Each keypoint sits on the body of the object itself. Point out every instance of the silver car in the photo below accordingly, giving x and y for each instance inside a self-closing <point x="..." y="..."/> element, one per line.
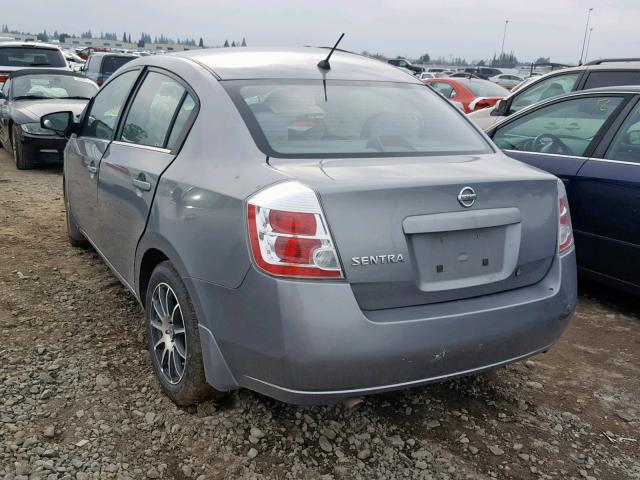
<point x="313" y="230"/>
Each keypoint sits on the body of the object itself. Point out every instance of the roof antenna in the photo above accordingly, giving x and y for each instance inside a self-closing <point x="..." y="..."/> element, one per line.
<point x="324" y="64"/>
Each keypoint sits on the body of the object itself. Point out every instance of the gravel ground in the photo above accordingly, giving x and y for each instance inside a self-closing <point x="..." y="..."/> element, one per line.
<point x="78" y="398"/>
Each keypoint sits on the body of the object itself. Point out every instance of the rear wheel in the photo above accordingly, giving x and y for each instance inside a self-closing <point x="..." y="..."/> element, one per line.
<point x="23" y="162"/>
<point x="173" y="338"/>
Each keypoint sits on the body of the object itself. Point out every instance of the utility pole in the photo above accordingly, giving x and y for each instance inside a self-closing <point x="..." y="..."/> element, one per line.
<point x="586" y="29"/>
<point x="586" y="53"/>
<point x="504" y="35"/>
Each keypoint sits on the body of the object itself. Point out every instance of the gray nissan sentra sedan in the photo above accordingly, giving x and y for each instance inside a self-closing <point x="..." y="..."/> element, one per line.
<point x="313" y="233"/>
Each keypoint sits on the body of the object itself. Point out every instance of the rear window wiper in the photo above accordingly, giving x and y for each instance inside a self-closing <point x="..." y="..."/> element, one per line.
<point x="73" y="97"/>
<point x="39" y="64"/>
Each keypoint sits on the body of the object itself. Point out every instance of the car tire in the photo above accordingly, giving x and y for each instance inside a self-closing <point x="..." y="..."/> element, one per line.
<point x="173" y="338"/>
<point x="23" y="162"/>
<point x="74" y="235"/>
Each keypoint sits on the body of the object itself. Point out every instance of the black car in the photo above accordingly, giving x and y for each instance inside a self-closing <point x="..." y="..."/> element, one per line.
<point x="26" y="96"/>
<point x="591" y="140"/>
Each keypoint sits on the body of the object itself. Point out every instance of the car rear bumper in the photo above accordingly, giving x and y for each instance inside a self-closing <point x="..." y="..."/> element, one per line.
<point x="43" y="148"/>
<point x="310" y="343"/>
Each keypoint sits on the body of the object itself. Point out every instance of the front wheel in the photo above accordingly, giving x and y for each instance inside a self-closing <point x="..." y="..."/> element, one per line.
<point x="23" y="161"/>
<point x="173" y="338"/>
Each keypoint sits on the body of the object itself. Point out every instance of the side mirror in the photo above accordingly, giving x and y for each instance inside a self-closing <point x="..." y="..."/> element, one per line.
<point x="59" y="122"/>
<point x="501" y="107"/>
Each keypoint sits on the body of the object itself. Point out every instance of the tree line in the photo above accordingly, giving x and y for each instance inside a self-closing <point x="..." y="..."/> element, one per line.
<point x="144" y="39"/>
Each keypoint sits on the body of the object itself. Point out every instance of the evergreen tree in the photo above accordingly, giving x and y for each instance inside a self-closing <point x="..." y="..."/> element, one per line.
<point x="244" y="42"/>
<point x="233" y="44"/>
<point x="226" y="43"/>
<point x="201" y="43"/>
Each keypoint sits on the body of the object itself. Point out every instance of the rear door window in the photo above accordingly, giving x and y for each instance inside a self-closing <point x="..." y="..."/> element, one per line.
<point x="152" y="111"/>
<point x="612" y="79"/>
<point x="626" y="145"/>
<point x="187" y="109"/>
<point x="544" y="89"/>
<point x="564" y="128"/>
<point x="31" y="57"/>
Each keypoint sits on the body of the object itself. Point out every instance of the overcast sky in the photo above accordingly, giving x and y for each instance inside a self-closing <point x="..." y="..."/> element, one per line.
<point x="466" y="28"/>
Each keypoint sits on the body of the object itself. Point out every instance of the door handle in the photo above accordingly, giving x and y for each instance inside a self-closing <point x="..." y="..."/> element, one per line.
<point x="551" y="125"/>
<point x="573" y="126"/>
<point x="92" y="168"/>
<point x="141" y="183"/>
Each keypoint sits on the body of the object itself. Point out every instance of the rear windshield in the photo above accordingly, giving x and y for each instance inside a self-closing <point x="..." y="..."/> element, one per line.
<point x="31" y="57"/>
<point x="111" y="64"/>
<point x="351" y="119"/>
<point x="482" y="88"/>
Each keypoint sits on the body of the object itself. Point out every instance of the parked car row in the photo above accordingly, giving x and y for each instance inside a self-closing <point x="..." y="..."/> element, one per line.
<point x="599" y="73"/>
<point x="282" y="169"/>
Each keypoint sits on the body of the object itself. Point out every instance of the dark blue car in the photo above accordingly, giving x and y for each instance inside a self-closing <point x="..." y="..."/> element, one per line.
<point x="591" y="140"/>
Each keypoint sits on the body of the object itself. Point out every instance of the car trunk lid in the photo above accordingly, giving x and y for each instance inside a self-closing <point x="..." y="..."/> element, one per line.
<point x="406" y="239"/>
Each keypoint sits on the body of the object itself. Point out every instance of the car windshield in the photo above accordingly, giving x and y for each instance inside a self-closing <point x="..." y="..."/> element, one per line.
<point x="352" y="119"/>
<point x="51" y="85"/>
<point x="483" y="88"/>
<point x="31" y="57"/>
<point x="111" y="63"/>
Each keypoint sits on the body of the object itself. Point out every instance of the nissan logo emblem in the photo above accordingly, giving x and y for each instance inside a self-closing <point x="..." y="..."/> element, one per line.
<point x="467" y="197"/>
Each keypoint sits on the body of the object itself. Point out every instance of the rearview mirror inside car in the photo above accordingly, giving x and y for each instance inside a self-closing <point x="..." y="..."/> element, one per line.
<point x="59" y="122"/>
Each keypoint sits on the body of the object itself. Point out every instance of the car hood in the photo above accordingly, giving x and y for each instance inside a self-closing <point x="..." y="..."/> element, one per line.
<point x="34" y="109"/>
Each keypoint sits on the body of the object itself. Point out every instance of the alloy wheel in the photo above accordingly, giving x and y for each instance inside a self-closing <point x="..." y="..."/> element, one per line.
<point x="168" y="333"/>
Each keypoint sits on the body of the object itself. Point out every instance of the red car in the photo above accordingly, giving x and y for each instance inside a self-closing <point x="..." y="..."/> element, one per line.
<point x="471" y="93"/>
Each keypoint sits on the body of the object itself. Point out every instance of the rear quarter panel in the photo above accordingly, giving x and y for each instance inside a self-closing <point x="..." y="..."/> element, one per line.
<point x="198" y="215"/>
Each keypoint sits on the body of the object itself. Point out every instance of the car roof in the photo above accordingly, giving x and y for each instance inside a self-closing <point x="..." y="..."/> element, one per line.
<point x="29" y="45"/>
<point x="295" y="63"/>
<point x="43" y="71"/>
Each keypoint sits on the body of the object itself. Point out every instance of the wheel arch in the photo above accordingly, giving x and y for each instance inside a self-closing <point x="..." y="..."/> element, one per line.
<point x="154" y="249"/>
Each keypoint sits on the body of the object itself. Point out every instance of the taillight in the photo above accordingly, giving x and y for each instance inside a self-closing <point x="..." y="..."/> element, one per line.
<point x="3" y="77"/>
<point x="99" y="81"/>
<point x="565" y="231"/>
<point x="289" y="235"/>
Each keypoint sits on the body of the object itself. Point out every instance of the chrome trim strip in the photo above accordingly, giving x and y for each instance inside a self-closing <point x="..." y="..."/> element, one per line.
<point x="575" y="157"/>
<point x="637" y="164"/>
<point x="143" y="147"/>
<point x="550" y="154"/>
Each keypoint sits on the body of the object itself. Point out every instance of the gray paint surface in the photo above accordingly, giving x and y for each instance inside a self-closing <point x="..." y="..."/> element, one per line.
<point x="384" y="326"/>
